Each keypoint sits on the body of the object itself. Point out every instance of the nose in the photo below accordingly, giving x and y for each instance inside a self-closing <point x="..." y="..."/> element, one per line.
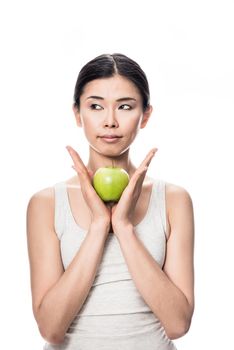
<point x="110" y="120"/>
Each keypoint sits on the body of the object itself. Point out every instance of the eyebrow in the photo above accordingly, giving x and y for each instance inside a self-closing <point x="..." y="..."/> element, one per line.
<point x="118" y="100"/>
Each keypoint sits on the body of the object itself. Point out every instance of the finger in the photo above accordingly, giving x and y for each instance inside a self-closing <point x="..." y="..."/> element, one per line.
<point x="148" y="158"/>
<point x="75" y="156"/>
<point x="142" y="169"/>
<point x="90" y="173"/>
<point x="78" y="163"/>
<point x="135" y="184"/>
<point x="136" y="180"/>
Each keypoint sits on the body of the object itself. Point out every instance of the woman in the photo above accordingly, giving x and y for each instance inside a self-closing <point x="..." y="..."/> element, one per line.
<point x="111" y="275"/>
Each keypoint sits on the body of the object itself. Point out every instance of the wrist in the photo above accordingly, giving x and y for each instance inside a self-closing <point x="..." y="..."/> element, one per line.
<point x="99" y="226"/>
<point x="123" y="229"/>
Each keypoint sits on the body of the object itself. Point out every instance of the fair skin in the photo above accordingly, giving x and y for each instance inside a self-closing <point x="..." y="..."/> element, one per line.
<point x="168" y="291"/>
<point x="109" y="117"/>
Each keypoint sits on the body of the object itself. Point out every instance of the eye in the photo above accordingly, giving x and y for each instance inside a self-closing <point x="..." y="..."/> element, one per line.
<point x="93" y="105"/>
<point x="127" y="106"/>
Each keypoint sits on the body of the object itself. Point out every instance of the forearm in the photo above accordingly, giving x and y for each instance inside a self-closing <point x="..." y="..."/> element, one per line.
<point x="64" y="300"/>
<point x="166" y="301"/>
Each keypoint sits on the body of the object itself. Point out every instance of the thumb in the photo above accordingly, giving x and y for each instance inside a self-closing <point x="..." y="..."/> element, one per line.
<point x="73" y="167"/>
<point x="91" y="173"/>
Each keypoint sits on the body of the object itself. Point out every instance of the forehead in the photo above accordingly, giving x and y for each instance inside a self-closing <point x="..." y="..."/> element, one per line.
<point x="112" y="87"/>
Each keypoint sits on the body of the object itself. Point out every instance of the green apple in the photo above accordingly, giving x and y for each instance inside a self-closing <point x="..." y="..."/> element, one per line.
<point x="109" y="183"/>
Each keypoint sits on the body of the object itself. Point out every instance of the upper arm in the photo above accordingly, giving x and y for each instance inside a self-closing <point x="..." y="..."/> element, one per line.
<point x="43" y="246"/>
<point x="179" y="262"/>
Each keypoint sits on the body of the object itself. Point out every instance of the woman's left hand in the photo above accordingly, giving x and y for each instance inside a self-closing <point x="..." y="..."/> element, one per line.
<point x="122" y="212"/>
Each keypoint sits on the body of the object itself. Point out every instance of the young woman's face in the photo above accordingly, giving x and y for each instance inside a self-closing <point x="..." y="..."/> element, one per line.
<point x="111" y="106"/>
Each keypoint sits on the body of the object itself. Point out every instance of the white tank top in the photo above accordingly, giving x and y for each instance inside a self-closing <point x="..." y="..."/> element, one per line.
<point x="114" y="305"/>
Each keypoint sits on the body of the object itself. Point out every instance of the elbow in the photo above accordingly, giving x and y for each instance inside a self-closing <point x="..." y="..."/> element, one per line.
<point x="52" y="338"/>
<point x="56" y="339"/>
<point x="47" y="332"/>
<point x="179" y="331"/>
<point x="50" y="335"/>
<point x="182" y="326"/>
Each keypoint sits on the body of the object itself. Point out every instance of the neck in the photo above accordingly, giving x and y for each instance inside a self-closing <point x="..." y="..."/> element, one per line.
<point x="97" y="160"/>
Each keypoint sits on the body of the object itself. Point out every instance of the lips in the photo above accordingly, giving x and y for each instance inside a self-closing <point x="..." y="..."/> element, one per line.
<point x="110" y="139"/>
<point x="110" y="136"/>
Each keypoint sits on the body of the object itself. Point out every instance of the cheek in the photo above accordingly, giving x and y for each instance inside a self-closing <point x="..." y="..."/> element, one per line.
<point x="132" y="123"/>
<point x="130" y="130"/>
<point x="90" y="126"/>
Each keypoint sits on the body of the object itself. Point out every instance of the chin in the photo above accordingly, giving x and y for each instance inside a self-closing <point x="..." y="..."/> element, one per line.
<point x="109" y="151"/>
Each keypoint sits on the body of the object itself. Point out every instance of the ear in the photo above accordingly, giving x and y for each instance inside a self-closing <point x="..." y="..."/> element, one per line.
<point x="77" y="116"/>
<point x="146" y="116"/>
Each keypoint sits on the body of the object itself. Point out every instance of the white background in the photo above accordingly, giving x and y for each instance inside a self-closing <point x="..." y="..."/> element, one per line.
<point x="186" y="50"/>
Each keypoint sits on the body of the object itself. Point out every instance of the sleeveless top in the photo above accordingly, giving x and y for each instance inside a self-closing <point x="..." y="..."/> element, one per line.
<point x="114" y="307"/>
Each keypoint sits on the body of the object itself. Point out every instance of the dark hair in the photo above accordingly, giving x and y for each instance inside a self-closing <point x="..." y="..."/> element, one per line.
<point x="107" y="65"/>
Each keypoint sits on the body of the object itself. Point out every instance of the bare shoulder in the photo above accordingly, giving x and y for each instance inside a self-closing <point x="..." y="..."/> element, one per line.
<point x="179" y="205"/>
<point x="42" y="201"/>
<point x="172" y="188"/>
<point x="175" y="193"/>
<point x="45" y="195"/>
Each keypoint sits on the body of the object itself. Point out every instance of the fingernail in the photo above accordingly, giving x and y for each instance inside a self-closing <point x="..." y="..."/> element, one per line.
<point x="75" y="169"/>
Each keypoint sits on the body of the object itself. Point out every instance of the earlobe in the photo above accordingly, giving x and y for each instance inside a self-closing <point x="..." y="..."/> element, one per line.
<point x="77" y="116"/>
<point x="78" y="121"/>
<point x="146" y="116"/>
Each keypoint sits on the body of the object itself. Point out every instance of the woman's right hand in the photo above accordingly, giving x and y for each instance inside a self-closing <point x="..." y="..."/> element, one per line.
<point x="100" y="213"/>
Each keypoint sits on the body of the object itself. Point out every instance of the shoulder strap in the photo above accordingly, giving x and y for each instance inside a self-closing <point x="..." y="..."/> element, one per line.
<point x="160" y="201"/>
<point x="60" y="208"/>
